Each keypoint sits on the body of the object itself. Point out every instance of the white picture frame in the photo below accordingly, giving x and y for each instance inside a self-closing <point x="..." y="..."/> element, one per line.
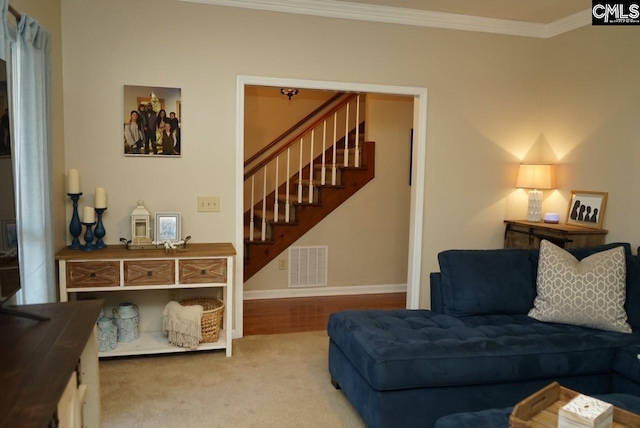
<point x="167" y="227"/>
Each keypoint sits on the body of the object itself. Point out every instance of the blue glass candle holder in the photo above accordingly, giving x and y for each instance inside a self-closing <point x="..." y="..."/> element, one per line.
<point x="99" y="231"/>
<point x="75" y="227"/>
<point x="88" y="238"/>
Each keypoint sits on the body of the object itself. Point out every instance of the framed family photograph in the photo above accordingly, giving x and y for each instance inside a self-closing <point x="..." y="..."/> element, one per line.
<point x="9" y="235"/>
<point x="586" y="208"/>
<point x="167" y="227"/>
<point x="152" y="121"/>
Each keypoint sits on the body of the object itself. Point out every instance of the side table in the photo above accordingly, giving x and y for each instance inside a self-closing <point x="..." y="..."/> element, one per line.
<point x="528" y="235"/>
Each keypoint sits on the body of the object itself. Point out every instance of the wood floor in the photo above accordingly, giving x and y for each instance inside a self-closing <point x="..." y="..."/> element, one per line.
<point x="272" y="316"/>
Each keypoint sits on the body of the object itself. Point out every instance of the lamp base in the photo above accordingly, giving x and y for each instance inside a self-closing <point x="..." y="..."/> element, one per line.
<point x="534" y="210"/>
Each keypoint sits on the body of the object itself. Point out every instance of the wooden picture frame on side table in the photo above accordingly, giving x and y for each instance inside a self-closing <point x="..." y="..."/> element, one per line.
<point x="586" y="209"/>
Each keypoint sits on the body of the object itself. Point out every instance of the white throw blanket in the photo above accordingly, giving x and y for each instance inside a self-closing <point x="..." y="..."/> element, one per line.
<point x="181" y="324"/>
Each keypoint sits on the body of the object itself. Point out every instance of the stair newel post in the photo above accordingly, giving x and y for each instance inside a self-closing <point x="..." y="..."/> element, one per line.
<point x="346" y="138"/>
<point x="264" y="204"/>
<point x="287" y="204"/>
<point x="276" y="214"/>
<point x="251" y="218"/>
<point x="300" y="172"/>
<point x="311" y="171"/>
<point x="323" y="170"/>
<point x="335" y="141"/>
<point x="357" y="149"/>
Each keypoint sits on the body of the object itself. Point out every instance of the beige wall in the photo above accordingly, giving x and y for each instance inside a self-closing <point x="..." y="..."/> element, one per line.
<point x="592" y="110"/>
<point x="492" y="101"/>
<point x="268" y="113"/>
<point x="484" y="98"/>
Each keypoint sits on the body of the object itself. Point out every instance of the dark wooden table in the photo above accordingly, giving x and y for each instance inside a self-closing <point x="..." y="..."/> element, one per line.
<point x="37" y="359"/>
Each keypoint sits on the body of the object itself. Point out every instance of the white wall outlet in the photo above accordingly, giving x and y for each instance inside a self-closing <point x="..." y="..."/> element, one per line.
<point x="208" y="203"/>
<point x="282" y="264"/>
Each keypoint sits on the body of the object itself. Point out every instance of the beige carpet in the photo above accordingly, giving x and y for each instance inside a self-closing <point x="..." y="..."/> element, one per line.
<point x="277" y="380"/>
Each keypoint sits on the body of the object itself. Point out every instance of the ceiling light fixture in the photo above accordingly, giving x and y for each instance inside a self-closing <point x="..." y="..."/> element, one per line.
<point x="289" y="92"/>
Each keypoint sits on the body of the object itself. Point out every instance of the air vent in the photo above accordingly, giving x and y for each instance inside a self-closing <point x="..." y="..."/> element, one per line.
<point x="308" y="266"/>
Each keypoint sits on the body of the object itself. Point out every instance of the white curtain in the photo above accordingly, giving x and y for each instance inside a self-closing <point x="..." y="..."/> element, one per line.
<point x="30" y="88"/>
<point x="4" y="30"/>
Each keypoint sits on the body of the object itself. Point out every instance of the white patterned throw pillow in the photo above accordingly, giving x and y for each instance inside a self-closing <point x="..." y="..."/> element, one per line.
<point x="589" y="293"/>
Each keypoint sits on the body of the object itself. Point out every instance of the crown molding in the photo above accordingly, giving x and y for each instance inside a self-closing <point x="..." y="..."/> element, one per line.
<point x="569" y="23"/>
<point x="404" y="16"/>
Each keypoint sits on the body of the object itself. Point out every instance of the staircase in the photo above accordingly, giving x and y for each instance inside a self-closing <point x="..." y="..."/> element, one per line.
<point x="301" y="199"/>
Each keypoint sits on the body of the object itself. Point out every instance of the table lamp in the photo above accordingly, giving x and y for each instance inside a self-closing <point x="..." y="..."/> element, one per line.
<point x="536" y="177"/>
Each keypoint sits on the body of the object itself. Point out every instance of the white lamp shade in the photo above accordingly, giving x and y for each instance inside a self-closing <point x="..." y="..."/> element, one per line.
<point x="536" y="176"/>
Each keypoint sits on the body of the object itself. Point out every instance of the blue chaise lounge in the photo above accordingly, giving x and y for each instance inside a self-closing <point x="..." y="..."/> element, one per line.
<point x="477" y="348"/>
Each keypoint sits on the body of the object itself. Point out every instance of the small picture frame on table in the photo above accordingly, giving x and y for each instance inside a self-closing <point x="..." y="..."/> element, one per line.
<point x="167" y="227"/>
<point x="586" y="209"/>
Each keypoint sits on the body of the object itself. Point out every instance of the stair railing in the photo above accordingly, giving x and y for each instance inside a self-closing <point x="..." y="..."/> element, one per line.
<point x="265" y="174"/>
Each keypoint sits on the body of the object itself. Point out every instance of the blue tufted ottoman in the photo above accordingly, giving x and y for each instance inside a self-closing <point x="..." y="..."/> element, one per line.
<point x="408" y="368"/>
<point x="499" y="418"/>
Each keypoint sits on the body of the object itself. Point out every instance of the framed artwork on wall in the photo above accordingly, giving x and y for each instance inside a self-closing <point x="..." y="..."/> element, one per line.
<point x="586" y="208"/>
<point x="167" y="227"/>
<point x="149" y="129"/>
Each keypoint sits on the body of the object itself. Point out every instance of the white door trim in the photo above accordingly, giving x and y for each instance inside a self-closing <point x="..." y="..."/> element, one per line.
<point x="414" y="268"/>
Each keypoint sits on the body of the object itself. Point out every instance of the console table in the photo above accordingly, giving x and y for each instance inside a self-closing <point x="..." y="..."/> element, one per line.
<point x="49" y="369"/>
<point x="527" y="234"/>
<point x="150" y="279"/>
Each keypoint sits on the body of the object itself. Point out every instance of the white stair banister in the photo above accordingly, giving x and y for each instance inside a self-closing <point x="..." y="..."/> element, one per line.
<point x="287" y="204"/>
<point x="323" y="170"/>
<point x="300" y="172"/>
<point x="264" y="204"/>
<point x="276" y="214"/>
<point x="335" y="142"/>
<point x="357" y="149"/>
<point x="346" y="138"/>
<point x="251" y="219"/>
<point x="313" y="133"/>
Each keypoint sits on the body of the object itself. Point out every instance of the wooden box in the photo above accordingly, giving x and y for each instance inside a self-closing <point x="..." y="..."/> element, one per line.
<point x="585" y="412"/>
<point x="541" y="409"/>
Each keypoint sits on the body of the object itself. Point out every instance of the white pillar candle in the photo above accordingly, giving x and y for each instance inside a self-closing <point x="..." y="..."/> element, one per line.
<point x="73" y="181"/>
<point x="101" y="198"/>
<point x="89" y="215"/>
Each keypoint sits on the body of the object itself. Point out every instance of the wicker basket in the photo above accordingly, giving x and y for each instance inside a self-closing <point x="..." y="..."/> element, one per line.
<point x="211" y="316"/>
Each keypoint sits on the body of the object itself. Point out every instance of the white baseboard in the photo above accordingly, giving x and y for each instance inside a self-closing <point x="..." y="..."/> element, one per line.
<point x="324" y="291"/>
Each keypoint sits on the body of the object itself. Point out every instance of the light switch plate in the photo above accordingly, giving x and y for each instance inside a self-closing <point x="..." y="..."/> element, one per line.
<point x="208" y="203"/>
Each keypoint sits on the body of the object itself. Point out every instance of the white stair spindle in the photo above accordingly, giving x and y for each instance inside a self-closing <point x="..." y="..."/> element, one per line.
<point x="276" y="214"/>
<point x="264" y="204"/>
<point x="287" y="203"/>
<point x="335" y="142"/>
<point x="346" y="138"/>
<point x="323" y="170"/>
<point x="251" y="219"/>
<point x="311" y="167"/>
<point x="357" y="149"/>
<point x="300" y="172"/>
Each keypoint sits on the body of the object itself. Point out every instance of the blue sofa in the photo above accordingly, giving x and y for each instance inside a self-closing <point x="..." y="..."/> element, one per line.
<point x="476" y="348"/>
